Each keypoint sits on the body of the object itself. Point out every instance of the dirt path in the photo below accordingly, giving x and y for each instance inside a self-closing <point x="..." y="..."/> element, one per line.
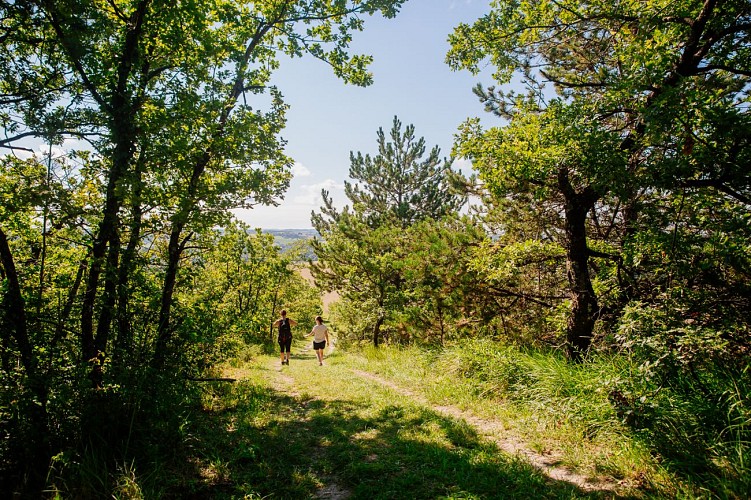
<point x="284" y="380"/>
<point x="494" y="431"/>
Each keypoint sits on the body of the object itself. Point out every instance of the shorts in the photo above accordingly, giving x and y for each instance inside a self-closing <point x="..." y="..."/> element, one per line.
<point x="319" y="345"/>
<point x="285" y="345"/>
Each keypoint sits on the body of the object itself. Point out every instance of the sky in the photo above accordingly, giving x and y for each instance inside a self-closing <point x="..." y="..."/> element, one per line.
<point x="328" y="119"/>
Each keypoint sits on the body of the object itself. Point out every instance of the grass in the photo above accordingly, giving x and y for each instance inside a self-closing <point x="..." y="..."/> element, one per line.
<point x="665" y="448"/>
<point x="550" y="405"/>
<point x="290" y="432"/>
<point x="373" y="424"/>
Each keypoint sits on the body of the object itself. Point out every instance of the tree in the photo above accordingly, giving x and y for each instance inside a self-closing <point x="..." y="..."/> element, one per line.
<point x="359" y="262"/>
<point x="42" y="205"/>
<point x="231" y="284"/>
<point x="359" y="249"/>
<point x="21" y="189"/>
<point x="444" y="297"/>
<point x="560" y="156"/>
<point x="647" y="72"/>
<point x="170" y="99"/>
<point x="398" y="183"/>
<point x="137" y="70"/>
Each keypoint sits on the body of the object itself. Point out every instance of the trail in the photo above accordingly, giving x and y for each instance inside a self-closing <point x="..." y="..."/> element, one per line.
<point x="331" y="490"/>
<point x="489" y="430"/>
<point x="493" y="431"/>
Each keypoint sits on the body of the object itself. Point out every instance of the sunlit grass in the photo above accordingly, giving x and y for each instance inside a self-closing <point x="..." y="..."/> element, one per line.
<point x="546" y="403"/>
<point x="555" y="407"/>
<point x="414" y="423"/>
<point x="460" y="422"/>
<point x="288" y="432"/>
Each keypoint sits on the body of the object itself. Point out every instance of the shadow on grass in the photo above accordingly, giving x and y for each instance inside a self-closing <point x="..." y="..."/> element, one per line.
<point x="272" y="445"/>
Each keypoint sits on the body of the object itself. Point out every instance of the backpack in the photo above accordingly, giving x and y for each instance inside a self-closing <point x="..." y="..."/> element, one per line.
<point x="285" y="331"/>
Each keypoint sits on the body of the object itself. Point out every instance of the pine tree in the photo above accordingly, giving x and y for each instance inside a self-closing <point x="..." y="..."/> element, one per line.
<point x="398" y="183"/>
<point x="360" y="245"/>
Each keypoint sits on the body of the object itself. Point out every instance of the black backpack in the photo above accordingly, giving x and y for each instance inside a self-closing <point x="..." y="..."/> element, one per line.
<point x="285" y="331"/>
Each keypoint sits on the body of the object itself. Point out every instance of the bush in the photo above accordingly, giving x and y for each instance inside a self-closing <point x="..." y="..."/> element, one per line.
<point x="686" y="393"/>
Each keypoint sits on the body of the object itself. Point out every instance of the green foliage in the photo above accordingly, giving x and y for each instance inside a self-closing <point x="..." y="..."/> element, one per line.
<point x="687" y="390"/>
<point x="529" y="153"/>
<point x="121" y="266"/>
<point x="353" y="322"/>
<point x="696" y="417"/>
<point x="650" y="100"/>
<point x="123" y="278"/>
<point x="497" y="371"/>
<point x="236" y="282"/>
<point x="397" y="185"/>
<point x="446" y="297"/>
<point x="525" y="278"/>
<point x="540" y="381"/>
<point x="359" y="262"/>
<point x="415" y="284"/>
<point x="397" y="255"/>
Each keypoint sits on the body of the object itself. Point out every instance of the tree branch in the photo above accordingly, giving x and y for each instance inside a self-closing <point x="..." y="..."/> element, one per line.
<point x="719" y="185"/>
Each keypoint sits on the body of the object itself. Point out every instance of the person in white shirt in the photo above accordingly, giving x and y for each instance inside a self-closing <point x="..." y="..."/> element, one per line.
<point x="320" y="335"/>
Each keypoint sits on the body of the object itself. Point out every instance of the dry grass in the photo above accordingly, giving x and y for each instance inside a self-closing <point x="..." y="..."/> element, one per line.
<point x="327" y="298"/>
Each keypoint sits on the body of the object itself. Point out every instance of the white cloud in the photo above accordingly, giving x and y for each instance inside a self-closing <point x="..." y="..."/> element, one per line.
<point x="45" y="149"/>
<point x="19" y="153"/>
<point x="282" y="217"/>
<point x="463" y="165"/>
<point x="40" y="152"/>
<point x="300" y="170"/>
<point x="294" y="211"/>
<point x="310" y="194"/>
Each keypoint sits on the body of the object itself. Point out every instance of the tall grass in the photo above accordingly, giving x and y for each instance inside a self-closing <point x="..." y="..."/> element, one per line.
<point x="688" y="439"/>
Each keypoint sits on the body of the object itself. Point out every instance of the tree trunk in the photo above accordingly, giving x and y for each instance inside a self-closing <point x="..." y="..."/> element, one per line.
<point x="99" y="250"/>
<point x="38" y="449"/>
<point x="124" y="340"/>
<point x="584" y="308"/>
<point x="174" y="250"/>
<point x="68" y="307"/>
<point x="15" y="307"/>
<point x="107" y="311"/>
<point x="377" y="330"/>
<point x="122" y="110"/>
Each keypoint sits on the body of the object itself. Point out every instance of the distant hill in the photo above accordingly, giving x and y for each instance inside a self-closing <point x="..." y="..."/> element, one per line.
<point x="285" y="238"/>
<point x="294" y="234"/>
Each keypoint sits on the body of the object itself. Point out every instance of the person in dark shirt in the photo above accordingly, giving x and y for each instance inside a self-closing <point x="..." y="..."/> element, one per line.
<point x="285" y="325"/>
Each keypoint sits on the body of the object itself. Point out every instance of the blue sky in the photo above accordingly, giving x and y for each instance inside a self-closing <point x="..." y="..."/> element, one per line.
<point x="327" y="119"/>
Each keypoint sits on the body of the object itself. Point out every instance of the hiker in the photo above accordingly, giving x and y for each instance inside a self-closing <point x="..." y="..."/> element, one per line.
<point x="285" y="325"/>
<point x="320" y="336"/>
